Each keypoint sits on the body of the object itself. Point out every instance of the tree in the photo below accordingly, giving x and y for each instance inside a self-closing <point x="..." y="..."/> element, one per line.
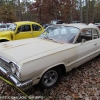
<point x="7" y="13"/>
<point x="25" y="10"/>
<point x="97" y="11"/>
<point x="46" y="10"/>
<point x="89" y="11"/>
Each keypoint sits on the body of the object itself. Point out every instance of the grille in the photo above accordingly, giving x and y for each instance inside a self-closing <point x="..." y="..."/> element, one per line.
<point x="4" y="64"/>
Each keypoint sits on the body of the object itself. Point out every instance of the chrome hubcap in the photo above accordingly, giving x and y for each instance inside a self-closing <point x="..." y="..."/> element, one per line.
<point x="50" y="78"/>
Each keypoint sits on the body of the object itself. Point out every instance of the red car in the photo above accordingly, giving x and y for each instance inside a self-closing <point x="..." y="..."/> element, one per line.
<point x="98" y="25"/>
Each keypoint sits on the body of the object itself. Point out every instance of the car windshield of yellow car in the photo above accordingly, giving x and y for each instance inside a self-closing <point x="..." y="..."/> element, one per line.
<point x="62" y="34"/>
<point x="12" y="27"/>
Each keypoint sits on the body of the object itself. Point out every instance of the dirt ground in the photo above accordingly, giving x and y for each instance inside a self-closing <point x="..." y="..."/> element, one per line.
<point x="82" y="83"/>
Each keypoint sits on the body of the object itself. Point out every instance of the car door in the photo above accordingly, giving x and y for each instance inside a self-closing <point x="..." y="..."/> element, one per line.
<point x="96" y="38"/>
<point x="37" y="30"/>
<point x="24" y="31"/>
<point x="87" y="46"/>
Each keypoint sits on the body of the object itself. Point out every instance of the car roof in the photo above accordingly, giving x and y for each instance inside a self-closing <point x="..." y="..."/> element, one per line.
<point x="25" y="22"/>
<point x="79" y="25"/>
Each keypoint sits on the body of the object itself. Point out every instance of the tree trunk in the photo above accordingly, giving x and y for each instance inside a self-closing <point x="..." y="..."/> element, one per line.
<point x="19" y="9"/>
<point x="87" y="6"/>
<point x="81" y="19"/>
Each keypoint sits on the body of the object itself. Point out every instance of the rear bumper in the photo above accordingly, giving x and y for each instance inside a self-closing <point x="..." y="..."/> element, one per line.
<point x="12" y="78"/>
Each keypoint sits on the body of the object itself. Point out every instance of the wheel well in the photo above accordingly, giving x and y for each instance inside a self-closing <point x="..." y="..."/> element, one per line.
<point x="62" y="67"/>
<point x="3" y="40"/>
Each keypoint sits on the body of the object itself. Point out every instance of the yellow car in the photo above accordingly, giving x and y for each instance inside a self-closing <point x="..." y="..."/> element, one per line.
<point x="21" y="30"/>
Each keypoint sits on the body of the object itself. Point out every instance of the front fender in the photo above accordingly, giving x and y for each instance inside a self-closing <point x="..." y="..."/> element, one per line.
<point x="4" y="38"/>
<point x="50" y="67"/>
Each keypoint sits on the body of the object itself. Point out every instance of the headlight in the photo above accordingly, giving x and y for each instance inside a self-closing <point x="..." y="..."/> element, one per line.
<point x="13" y="67"/>
<point x="17" y="72"/>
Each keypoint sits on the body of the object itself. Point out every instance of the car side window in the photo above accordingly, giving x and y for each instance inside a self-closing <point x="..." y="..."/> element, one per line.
<point x="85" y="34"/>
<point x="24" y="28"/>
<point x="36" y="27"/>
<point x="95" y="34"/>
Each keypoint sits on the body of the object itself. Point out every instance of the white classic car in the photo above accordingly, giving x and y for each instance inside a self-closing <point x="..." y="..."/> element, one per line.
<point x="43" y="60"/>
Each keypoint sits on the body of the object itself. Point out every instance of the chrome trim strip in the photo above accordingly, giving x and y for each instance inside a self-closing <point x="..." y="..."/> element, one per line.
<point x="22" y="85"/>
<point x="12" y="62"/>
<point x="4" y="59"/>
<point x="9" y="61"/>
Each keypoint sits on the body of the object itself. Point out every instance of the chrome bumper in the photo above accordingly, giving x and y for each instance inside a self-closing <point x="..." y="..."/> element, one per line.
<point x="9" y="76"/>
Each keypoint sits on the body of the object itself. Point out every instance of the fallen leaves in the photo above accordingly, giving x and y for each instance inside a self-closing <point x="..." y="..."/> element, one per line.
<point x="82" y="83"/>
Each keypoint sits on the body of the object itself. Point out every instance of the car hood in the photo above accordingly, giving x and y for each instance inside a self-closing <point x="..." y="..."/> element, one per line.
<point x="26" y="49"/>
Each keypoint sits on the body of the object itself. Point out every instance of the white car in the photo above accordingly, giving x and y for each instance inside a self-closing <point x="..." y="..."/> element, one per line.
<point x="43" y="60"/>
<point x="97" y="24"/>
<point x="3" y="27"/>
<point x="8" y="24"/>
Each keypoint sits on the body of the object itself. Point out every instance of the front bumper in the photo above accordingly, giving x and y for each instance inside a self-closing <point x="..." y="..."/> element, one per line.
<point x="9" y="76"/>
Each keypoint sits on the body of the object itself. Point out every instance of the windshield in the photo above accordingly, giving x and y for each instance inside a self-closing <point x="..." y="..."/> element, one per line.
<point x="12" y="27"/>
<point x="63" y="34"/>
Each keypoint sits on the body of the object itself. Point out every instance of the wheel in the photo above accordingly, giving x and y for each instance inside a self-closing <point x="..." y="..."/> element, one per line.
<point x="3" y="40"/>
<point x="50" y="78"/>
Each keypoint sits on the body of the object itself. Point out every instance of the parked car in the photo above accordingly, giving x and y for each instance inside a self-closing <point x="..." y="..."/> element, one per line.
<point x="3" y="27"/>
<point x="45" y="25"/>
<point x="53" y="22"/>
<point x="21" y="30"/>
<point x="56" y="22"/>
<point x="76" y="21"/>
<point x="43" y="60"/>
<point x="98" y="25"/>
<point x="8" y="24"/>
